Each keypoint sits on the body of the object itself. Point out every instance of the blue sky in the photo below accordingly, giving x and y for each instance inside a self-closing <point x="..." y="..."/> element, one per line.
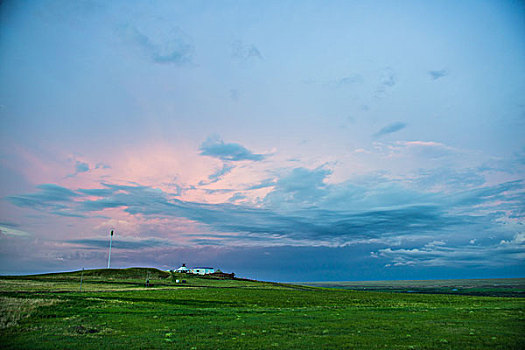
<point x="281" y="140"/>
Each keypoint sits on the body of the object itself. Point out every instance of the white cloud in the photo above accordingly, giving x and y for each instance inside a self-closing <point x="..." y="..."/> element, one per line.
<point x="511" y="252"/>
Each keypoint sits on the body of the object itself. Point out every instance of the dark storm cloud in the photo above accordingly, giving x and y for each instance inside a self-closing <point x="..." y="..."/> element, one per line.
<point x="51" y="198"/>
<point x="52" y="192"/>
<point x="99" y="192"/>
<point x="214" y="146"/>
<point x="335" y="227"/>
<point x="101" y="204"/>
<point x="49" y="195"/>
<point x="300" y="187"/>
<point x="509" y="195"/>
<point x="303" y="209"/>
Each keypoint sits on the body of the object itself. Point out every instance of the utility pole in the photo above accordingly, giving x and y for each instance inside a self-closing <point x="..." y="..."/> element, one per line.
<point x="110" y="241"/>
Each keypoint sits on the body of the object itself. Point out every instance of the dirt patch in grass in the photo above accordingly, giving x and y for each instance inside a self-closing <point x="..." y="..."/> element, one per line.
<point x="12" y="310"/>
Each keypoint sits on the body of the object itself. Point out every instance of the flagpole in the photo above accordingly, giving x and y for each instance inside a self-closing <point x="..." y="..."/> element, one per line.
<point x="110" y="241"/>
<point x="81" y="278"/>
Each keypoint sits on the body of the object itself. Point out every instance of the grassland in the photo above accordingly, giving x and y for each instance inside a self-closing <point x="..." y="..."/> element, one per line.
<point x="501" y="287"/>
<point x="115" y="310"/>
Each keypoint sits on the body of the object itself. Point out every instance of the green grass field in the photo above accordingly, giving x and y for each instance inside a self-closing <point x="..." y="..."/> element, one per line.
<point x="500" y="287"/>
<point x="115" y="310"/>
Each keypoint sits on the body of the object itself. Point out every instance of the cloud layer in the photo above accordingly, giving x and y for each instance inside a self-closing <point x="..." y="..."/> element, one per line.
<point x="302" y="209"/>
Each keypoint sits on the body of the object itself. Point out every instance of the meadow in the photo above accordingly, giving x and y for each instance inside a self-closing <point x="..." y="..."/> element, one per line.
<point x="115" y="310"/>
<point x="498" y="287"/>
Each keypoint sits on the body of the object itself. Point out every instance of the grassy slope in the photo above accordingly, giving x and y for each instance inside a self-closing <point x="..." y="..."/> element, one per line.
<point x="117" y="311"/>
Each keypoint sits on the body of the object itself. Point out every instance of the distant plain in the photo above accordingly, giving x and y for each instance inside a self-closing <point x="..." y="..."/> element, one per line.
<point x="505" y="287"/>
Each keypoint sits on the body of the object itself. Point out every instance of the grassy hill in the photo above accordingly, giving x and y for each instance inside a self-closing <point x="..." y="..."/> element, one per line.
<point x="116" y="310"/>
<point x="129" y="273"/>
<point x="126" y="279"/>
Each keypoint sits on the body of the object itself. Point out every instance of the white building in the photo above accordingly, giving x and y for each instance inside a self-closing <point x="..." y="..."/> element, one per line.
<point x="202" y="270"/>
<point x="183" y="268"/>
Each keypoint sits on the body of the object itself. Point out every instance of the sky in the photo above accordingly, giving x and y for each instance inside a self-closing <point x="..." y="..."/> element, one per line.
<point x="280" y="140"/>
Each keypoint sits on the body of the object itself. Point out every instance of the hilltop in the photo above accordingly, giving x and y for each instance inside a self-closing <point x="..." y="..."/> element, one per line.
<point x="127" y="273"/>
<point x="130" y="279"/>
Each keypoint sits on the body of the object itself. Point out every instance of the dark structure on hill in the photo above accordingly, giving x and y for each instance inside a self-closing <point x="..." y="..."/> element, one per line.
<point x="222" y="275"/>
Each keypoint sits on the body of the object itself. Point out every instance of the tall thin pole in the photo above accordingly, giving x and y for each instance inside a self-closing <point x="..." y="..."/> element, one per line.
<point x="110" y="241"/>
<point x="81" y="278"/>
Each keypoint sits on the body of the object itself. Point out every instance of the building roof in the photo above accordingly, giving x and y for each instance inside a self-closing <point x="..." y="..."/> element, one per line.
<point x="203" y="267"/>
